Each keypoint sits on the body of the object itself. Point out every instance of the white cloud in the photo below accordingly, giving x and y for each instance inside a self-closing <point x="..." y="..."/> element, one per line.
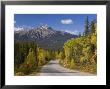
<point x="18" y="28"/>
<point x="14" y="22"/>
<point x="27" y="27"/>
<point x="72" y="32"/>
<point x="67" y="21"/>
<point x="23" y="27"/>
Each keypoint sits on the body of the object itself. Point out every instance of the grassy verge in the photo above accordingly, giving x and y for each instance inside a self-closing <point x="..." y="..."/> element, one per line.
<point x="27" y="71"/>
<point x="89" y="68"/>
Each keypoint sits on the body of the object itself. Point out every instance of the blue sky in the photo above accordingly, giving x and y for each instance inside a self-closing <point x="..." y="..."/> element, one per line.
<point x="73" y="23"/>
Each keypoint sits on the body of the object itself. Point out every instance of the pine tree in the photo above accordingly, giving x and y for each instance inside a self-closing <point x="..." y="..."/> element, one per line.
<point x="79" y="35"/>
<point x="93" y="26"/>
<point x="86" y="26"/>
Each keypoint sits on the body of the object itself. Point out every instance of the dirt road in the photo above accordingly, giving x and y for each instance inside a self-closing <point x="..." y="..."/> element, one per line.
<point x="54" y="69"/>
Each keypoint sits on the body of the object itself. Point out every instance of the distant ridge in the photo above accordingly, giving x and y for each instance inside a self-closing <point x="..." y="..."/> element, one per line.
<point x="45" y="36"/>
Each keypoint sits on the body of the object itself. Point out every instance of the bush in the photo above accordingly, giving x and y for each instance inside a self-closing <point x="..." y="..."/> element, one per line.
<point x="72" y="65"/>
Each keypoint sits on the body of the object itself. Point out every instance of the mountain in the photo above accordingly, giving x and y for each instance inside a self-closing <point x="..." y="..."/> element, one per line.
<point x="45" y="36"/>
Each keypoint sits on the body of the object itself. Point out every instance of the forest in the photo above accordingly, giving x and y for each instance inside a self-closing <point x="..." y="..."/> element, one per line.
<point x="81" y="53"/>
<point x="77" y="53"/>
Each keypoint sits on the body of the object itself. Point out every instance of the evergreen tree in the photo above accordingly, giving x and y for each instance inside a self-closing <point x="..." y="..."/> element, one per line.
<point x="86" y="26"/>
<point x="79" y="35"/>
<point x="93" y="26"/>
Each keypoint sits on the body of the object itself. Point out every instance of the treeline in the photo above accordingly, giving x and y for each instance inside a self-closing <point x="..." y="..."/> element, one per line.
<point x="28" y="57"/>
<point x="81" y="53"/>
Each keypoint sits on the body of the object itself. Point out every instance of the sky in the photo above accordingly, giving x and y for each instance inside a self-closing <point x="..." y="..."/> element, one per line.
<point x="72" y="23"/>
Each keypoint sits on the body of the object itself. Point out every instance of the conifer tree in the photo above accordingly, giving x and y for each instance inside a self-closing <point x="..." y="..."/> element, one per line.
<point x="93" y="26"/>
<point x="86" y="26"/>
<point x="79" y="35"/>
